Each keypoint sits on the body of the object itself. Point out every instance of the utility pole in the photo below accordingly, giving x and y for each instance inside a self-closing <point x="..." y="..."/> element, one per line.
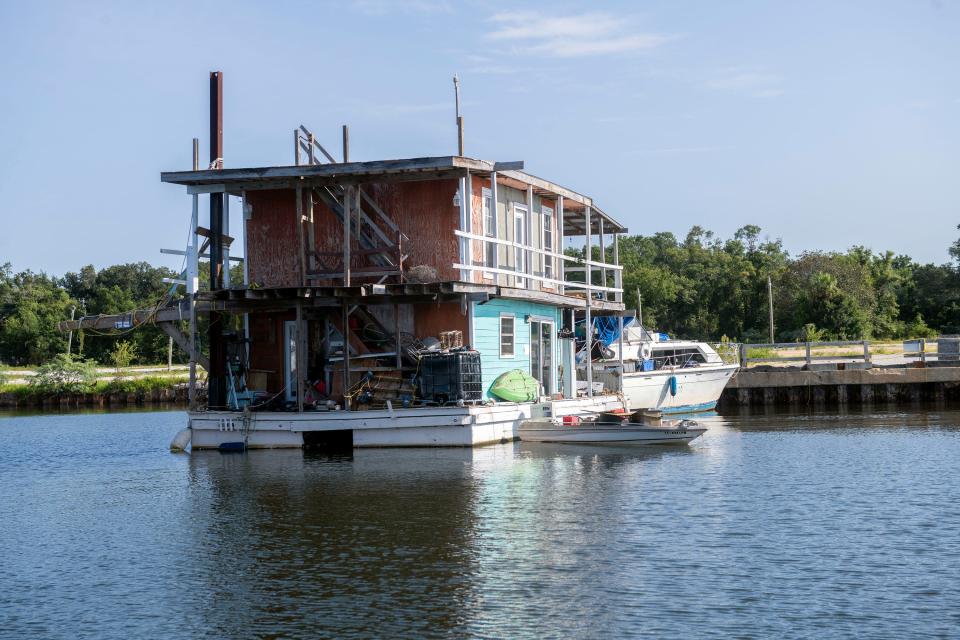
<point x="770" y="300"/>
<point x="70" y="335"/>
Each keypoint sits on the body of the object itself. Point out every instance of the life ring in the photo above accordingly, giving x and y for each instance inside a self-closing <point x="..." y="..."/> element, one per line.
<point x="646" y="350"/>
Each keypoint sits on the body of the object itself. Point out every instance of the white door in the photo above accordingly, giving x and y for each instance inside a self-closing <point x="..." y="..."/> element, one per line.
<point x="290" y="359"/>
<point x="520" y="237"/>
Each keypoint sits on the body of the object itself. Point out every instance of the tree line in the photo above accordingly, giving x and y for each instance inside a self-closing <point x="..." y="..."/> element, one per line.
<point x="699" y="286"/>
<point x="706" y="287"/>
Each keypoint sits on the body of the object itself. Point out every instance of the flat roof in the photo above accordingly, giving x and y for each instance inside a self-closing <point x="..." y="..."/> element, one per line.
<point x="404" y="169"/>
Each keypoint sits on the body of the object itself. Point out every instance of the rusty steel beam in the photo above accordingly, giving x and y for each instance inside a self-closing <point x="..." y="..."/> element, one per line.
<point x="217" y="380"/>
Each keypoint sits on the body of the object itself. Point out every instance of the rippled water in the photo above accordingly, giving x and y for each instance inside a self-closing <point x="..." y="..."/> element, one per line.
<point x="820" y="525"/>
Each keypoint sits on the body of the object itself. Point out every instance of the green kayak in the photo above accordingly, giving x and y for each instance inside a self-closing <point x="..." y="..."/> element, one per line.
<point x="516" y="386"/>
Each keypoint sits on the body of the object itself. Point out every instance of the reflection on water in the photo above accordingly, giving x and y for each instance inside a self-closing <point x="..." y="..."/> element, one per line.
<point x="820" y="524"/>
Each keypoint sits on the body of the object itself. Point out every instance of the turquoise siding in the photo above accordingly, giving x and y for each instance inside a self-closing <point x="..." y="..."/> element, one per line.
<point x="486" y="337"/>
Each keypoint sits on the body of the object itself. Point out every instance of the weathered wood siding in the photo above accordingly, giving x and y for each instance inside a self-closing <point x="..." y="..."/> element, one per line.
<point x="273" y="258"/>
<point x="431" y="319"/>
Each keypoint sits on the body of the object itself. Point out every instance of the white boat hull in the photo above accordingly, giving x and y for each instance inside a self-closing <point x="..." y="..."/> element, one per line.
<point x="697" y="388"/>
<point x="612" y="434"/>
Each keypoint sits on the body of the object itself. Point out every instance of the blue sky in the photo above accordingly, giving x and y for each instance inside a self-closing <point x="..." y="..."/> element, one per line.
<point x="826" y="123"/>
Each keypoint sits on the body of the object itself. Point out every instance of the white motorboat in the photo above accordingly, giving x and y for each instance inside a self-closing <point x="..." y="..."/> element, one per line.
<point x="604" y="430"/>
<point x="673" y="376"/>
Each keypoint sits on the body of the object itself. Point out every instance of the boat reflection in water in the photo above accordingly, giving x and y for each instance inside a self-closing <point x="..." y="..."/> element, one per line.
<point x="398" y="542"/>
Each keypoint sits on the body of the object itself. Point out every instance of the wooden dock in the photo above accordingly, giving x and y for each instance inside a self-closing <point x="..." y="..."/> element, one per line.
<point x="781" y="386"/>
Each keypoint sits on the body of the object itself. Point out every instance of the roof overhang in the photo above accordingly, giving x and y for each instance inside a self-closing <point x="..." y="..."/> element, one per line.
<point x="237" y="181"/>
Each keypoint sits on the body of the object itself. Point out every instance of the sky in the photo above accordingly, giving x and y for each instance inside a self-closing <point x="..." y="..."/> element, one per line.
<point x="828" y="124"/>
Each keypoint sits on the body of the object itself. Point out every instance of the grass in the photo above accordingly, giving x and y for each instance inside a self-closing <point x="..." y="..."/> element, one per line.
<point x="146" y="384"/>
<point x="761" y="352"/>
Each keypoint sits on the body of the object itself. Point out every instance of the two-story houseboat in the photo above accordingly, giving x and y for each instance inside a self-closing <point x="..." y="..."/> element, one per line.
<point x="354" y="270"/>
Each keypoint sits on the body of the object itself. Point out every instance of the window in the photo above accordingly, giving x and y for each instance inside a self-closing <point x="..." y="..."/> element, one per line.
<point x="490" y="231"/>
<point x="506" y="336"/>
<point x="547" y="241"/>
<point x="520" y="237"/>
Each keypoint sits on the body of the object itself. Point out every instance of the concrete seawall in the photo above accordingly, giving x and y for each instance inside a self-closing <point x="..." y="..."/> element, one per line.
<point x="780" y="387"/>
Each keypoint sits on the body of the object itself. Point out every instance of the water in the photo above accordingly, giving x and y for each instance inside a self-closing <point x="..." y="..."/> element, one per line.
<point x="821" y="525"/>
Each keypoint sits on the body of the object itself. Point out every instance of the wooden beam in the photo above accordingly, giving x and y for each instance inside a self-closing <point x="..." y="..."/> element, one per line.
<point x="183" y="342"/>
<point x="203" y="231"/>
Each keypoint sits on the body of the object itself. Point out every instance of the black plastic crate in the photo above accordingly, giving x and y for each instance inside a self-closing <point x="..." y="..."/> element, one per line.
<point x="451" y="377"/>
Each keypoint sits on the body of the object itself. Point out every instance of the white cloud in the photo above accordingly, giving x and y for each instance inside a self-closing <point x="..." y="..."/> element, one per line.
<point x="572" y="36"/>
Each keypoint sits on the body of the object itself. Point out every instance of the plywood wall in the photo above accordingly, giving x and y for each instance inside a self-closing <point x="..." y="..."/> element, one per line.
<point x="272" y="253"/>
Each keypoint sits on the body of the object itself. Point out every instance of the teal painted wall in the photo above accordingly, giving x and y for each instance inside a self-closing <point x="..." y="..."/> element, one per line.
<point x="486" y="337"/>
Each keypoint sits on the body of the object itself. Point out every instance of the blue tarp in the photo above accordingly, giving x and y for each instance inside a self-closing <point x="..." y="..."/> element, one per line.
<point x="606" y="329"/>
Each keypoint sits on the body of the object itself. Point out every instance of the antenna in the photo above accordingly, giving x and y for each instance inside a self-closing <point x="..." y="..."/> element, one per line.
<point x="456" y="91"/>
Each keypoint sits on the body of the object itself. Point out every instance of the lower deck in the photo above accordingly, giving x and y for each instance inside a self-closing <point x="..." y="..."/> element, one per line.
<point x="467" y="426"/>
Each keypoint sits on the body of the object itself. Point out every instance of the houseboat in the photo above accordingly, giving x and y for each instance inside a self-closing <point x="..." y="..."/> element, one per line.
<point x="359" y="274"/>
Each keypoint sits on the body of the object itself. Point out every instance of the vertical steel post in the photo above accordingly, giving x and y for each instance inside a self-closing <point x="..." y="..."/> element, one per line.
<point x="346" y="143"/>
<point x="588" y="328"/>
<point x="217" y="390"/>
<point x="193" y="282"/>
<point x="296" y="147"/>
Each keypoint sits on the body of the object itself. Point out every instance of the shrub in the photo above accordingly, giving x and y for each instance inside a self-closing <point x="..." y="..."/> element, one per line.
<point x="810" y="333"/>
<point x="123" y="354"/>
<point x="63" y="374"/>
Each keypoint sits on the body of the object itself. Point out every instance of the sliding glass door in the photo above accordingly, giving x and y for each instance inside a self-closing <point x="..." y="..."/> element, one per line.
<point x="541" y="353"/>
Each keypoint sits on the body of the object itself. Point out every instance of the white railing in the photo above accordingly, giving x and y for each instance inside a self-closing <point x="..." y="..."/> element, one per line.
<point x="582" y="265"/>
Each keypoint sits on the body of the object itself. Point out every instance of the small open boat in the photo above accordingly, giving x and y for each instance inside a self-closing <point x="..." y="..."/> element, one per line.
<point x="612" y="428"/>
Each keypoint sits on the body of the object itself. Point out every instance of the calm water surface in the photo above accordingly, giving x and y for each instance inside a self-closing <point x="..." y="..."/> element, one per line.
<point x="820" y="525"/>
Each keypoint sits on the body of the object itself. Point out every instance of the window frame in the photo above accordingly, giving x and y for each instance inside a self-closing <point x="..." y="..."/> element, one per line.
<point x="521" y="213"/>
<point x="547" y="214"/>
<point x="489" y="215"/>
<point x="513" y="334"/>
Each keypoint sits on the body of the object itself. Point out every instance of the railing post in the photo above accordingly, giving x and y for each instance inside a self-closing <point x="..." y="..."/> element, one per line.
<point x="923" y="350"/>
<point x="808" y="354"/>
<point x="866" y="351"/>
<point x="743" y="355"/>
